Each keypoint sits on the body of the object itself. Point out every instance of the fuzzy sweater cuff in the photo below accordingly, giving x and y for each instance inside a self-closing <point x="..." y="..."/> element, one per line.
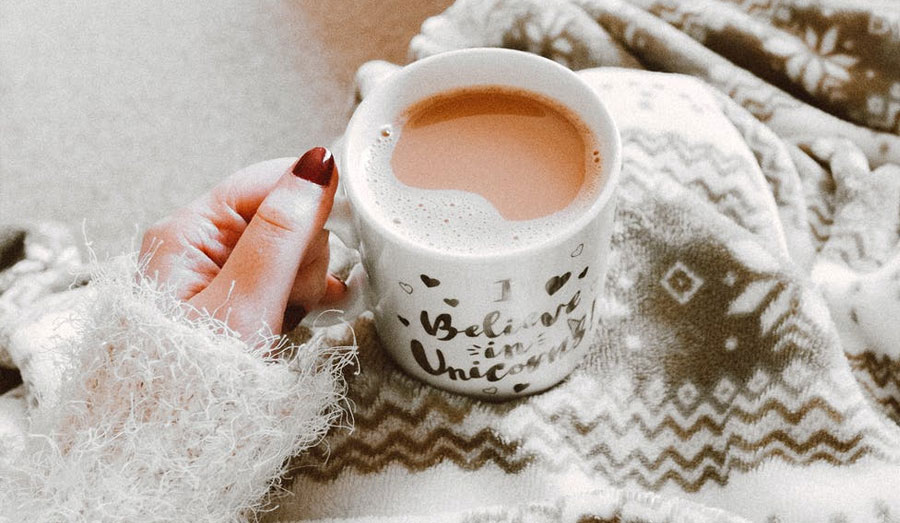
<point x="139" y="411"/>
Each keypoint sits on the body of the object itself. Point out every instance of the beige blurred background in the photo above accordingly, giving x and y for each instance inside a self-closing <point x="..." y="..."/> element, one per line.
<point x="113" y="114"/>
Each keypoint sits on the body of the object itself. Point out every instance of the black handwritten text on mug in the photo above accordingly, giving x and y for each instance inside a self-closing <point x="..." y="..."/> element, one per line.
<point x="495" y="372"/>
<point x="493" y="325"/>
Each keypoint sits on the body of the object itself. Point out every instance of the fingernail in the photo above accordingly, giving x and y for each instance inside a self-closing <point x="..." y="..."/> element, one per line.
<point x="316" y="165"/>
<point x="292" y="317"/>
<point x="335" y="290"/>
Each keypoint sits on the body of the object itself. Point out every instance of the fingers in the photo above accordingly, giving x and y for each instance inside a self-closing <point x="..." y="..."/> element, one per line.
<point x="310" y="282"/>
<point x="256" y="280"/>
<point x="171" y="257"/>
<point x="315" y="286"/>
<point x="246" y="189"/>
<point x="187" y="249"/>
<point x="335" y="291"/>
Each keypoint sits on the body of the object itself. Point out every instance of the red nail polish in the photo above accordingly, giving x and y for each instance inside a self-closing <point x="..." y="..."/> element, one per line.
<point x="316" y="165"/>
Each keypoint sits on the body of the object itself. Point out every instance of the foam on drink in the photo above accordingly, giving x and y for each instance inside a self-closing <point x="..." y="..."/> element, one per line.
<point x="482" y="169"/>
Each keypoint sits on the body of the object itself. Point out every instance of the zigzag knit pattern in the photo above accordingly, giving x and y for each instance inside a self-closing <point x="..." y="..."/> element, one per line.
<point x="879" y="376"/>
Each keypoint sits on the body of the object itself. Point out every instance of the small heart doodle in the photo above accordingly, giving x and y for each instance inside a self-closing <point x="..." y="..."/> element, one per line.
<point x="489" y="390"/>
<point x="556" y="283"/>
<point x="403" y="320"/>
<point x="583" y="273"/>
<point x="429" y="281"/>
<point x="407" y="288"/>
<point x="519" y="387"/>
<point x="453" y="302"/>
<point x="578" y="250"/>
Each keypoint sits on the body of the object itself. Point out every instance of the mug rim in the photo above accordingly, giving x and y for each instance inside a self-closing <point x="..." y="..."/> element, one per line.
<point x="610" y="169"/>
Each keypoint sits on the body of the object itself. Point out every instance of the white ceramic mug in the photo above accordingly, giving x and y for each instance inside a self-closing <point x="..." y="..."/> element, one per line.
<point x="491" y="325"/>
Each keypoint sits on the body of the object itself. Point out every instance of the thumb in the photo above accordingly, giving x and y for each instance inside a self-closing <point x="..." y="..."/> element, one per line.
<point x="256" y="280"/>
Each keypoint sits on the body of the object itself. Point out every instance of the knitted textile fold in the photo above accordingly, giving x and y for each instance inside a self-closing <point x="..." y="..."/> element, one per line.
<point x="748" y="360"/>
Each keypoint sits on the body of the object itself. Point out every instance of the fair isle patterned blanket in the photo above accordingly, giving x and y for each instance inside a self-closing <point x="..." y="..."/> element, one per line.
<point x="748" y="363"/>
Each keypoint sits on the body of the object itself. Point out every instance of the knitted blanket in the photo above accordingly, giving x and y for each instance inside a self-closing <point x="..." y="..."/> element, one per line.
<point x="748" y="362"/>
<point x="749" y="357"/>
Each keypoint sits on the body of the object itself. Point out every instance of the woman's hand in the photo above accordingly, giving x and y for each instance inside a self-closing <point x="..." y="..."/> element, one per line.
<point x="253" y="250"/>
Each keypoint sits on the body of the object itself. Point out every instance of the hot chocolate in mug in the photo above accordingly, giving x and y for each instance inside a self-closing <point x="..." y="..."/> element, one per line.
<point x="464" y="299"/>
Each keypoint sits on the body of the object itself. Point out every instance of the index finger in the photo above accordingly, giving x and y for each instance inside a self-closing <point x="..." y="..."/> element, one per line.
<point x="245" y="190"/>
<point x="261" y="269"/>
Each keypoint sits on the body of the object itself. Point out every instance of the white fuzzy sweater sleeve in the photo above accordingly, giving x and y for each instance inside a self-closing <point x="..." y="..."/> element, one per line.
<point x="138" y="413"/>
